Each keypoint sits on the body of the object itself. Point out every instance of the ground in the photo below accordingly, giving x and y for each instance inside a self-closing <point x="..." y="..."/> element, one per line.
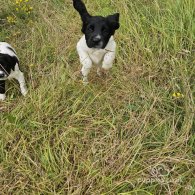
<point x="131" y="132"/>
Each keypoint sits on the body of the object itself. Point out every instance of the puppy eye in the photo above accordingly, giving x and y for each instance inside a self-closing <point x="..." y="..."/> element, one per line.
<point x="91" y="28"/>
<point x="104" y="30"/>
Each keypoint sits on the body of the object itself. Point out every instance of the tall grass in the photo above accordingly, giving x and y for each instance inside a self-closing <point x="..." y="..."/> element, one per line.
<point x="123" y="134"/>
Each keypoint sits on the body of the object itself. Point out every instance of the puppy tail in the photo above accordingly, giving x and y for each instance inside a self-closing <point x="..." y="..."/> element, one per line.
<point x="80" y="7"/>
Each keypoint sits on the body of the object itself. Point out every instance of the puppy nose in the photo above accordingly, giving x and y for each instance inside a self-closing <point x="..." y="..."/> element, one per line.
<point x="96" y="39"/>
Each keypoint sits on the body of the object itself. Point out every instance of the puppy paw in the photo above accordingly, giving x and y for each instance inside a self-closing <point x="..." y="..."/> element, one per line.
<point x="2" y="97"/>
<point x="99" y="73"/>
<point x="85" y="81"/>
<point x="24" y="91"/>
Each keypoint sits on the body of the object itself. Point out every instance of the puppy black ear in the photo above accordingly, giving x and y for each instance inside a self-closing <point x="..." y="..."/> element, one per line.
<point x="80" y="7"/>
<point x="114" y="20"/>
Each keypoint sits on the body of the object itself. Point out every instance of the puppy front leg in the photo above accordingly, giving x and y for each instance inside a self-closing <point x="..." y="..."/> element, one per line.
<point x="2" y="90"/>
<point x="86" y="65"/>
<point x="21" y="80"/>
<point x="108" y="60"/>
<point x="18" y="75"/>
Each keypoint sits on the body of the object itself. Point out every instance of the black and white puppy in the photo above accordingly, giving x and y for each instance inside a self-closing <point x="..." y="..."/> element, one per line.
<point x="9" y="68"/>
<point x="97" y="45"/>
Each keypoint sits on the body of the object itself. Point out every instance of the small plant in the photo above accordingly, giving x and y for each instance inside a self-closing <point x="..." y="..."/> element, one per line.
<point x="11" y="19"/>
<point x="177" y="95"/>
<point x="21" y="10"/>
<point x="23" y="6"/>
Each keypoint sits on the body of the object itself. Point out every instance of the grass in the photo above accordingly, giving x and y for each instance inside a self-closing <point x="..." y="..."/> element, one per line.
<point x="123" y="134"/>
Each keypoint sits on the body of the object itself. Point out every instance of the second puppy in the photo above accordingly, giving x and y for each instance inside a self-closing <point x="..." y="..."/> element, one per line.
<point x="97" y="45"/>
<point x="9" y="68"/>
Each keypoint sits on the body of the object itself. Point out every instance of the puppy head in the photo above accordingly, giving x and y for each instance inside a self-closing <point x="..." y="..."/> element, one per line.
<point x="97" y="29"/>
<point x="3" y="72"/>
<point x="7" y="63"/>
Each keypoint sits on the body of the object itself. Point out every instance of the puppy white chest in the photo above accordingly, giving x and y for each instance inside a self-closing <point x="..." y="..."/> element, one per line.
<point x="97" y="55"/>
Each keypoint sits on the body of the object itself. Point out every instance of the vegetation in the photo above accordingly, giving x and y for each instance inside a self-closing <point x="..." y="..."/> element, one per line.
<point x="131" y="132"/>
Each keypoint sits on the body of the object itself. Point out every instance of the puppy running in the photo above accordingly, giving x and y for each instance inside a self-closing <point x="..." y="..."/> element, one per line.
<point x="97" y="45"/>
<point x="9" y="68"/>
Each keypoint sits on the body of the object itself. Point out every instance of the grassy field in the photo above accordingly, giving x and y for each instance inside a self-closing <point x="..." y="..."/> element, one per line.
<point x="122" y="134"/>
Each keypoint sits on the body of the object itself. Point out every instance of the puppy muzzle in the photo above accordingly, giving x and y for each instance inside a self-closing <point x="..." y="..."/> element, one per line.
<point x="2" y="75"/>
<point x="96" y="42"/>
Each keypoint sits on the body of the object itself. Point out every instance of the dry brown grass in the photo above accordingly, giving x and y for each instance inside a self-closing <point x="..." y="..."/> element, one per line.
<point x="123" y="134"/>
